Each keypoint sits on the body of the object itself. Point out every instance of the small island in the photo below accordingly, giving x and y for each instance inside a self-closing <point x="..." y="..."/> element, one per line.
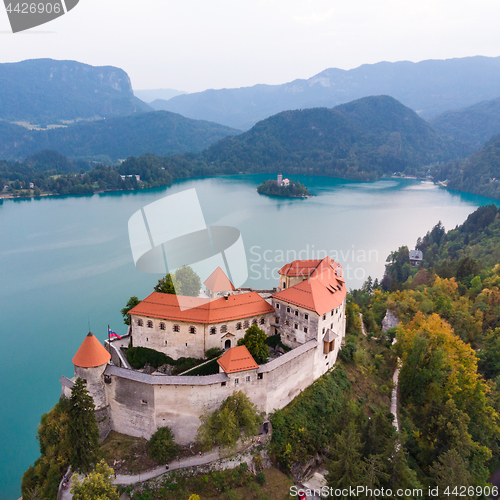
<point x="284" y="188"/>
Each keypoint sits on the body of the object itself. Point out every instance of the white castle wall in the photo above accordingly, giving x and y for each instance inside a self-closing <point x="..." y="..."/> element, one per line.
<point x="141" y="403"/>
<point x="185" y="344"/>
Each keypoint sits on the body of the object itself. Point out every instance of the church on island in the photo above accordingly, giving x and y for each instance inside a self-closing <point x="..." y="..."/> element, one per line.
<point x="307" y="310"/>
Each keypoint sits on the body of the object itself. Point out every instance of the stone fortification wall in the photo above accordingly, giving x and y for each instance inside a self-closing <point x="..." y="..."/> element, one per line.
<point x="141" y="403"/>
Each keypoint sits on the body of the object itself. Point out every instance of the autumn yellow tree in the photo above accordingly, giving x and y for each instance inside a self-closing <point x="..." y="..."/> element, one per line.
<point x="445" y="399"/>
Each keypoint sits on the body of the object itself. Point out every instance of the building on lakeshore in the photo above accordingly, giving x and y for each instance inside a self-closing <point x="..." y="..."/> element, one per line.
<point x="307" y="311"/>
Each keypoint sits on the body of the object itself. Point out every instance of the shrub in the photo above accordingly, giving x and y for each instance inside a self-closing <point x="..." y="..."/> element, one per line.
<point x="161" y="446"/>
<point x="261" y="478"/>
<point x="213" y="352"/>
<point x="139" y="356"/>
<point x="273" y="340"/>
<point x="348" y="350"/>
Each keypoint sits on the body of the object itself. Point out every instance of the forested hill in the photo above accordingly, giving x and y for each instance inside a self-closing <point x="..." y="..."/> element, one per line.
<point x="159" y="132"/>
<point x="472" y="126"/>
<point x="46" y="91"/>
<point x="363" y="139"/>
<point x="478" y="174"/>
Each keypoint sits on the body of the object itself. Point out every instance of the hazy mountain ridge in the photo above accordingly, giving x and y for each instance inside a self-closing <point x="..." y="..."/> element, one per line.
<point x="473" y="126"/>
<point x="47" y="91"/>
<point x="160" y="132"/>
<point x="429" y="87"/>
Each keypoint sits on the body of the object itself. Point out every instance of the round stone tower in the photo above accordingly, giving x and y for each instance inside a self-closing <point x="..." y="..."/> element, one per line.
<point x="90" y="361"/>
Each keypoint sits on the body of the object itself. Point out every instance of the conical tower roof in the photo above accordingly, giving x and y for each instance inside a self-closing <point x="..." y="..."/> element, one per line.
<point x="91" y="353"/>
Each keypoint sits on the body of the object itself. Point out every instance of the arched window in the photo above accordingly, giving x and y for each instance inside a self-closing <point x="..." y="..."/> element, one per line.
<point x="140" y="322"/>
<point x="150" y="324"/>
<point x="162" y="326"/>
<point x="246" y="324"/>
<point x="254" y="321"/>
<point x="238" y="326"/>
<point x="177" y="328"/>
<point x="223" y="329"/>
<point x="262" y="321"/>
<point x="192" y="329"/>
<point x="213" y="330"/>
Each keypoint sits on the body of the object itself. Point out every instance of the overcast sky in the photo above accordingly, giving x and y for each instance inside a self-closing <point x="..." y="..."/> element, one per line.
<point x="193" y="45"/>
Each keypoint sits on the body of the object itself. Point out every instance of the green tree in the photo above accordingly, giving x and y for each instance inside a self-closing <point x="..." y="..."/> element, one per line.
<point x="347" y="468"/>
<point x="450" y="471"/>
<point x="187" y="282"/>
<point x="132" y="302"/>
<point x="223" y="427"/>
<point x="161" y="446"/>
<point x="96" y="486"/>
<point x="255" y="341"/>
<point x="41" y="480"/>
<point x="83" y="432"/>
<point x="166" y="285"/>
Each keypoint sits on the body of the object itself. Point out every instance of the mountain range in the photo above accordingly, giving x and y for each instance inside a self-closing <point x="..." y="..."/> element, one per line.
<point x="428" y="87"/>
<point x="43" y="91"/>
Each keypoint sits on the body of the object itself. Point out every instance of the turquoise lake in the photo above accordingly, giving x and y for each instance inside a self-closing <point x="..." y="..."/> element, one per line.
<point x="66" y="262"/>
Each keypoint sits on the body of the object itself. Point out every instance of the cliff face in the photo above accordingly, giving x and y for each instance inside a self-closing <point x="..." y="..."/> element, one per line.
<point x="46" y="91"/>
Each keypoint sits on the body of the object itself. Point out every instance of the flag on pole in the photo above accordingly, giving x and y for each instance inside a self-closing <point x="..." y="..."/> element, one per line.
<point x="111" y="334"/>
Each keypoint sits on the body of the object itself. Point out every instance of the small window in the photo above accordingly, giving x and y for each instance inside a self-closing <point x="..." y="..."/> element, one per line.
<point x="259" y="376"/>
<point x="277" y="320"/>
<point x="262" y="321"/>
<point x="323" y="330"/>
<point x="223" y="384"/>
<point x="223" y="329"/>
<point x="254" y="321"/>
<point x="305" y="329"/>
<point x="287" y="323"/>
<point x="331" y="314"/>
<point x="296" y="313"/>
<point x="236" y="381"/>
<point x="287" y="309"/>
<point x="296" y="326"/>
<point x="277" y="306"/>
<point x="147" y="340"/>
<point x="248" y="378"/>
<point x="238" y="326"/>
<point x="144" y="402"/>
<point x="324" y="316"/>
<point x="331" y="326"/>
<point x="213" y="330"/>
<point x="140" y="322"/>
<point x="306" y="316"/>
<point x="150" y="324"/>
<point x="177" y="328"/>
<point x="246" y="324"/>
<point x="192" y="329"/>
<point x="162" y="326"/>
<point x="165" y="342"/>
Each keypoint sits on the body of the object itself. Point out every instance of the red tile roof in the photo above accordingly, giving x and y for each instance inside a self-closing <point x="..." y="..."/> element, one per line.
<point x="237" y="359"/>
<point x="201" y="310"/>
<point x="300" y="267"/>
<point x="321" y="292"/>
<point x="218" y="281"/>
<point x="91" y="353"/>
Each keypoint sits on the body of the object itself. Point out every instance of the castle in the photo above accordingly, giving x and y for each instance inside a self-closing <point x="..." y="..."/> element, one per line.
<point x="307" y="310"/>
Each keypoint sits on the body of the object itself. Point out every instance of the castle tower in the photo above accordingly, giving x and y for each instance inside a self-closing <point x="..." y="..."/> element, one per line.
<point x="90" y="361"/>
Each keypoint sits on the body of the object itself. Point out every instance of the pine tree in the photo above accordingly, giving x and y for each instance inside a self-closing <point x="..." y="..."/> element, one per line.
<point x="347" y="468"/>
<point x="83" y="432"/>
